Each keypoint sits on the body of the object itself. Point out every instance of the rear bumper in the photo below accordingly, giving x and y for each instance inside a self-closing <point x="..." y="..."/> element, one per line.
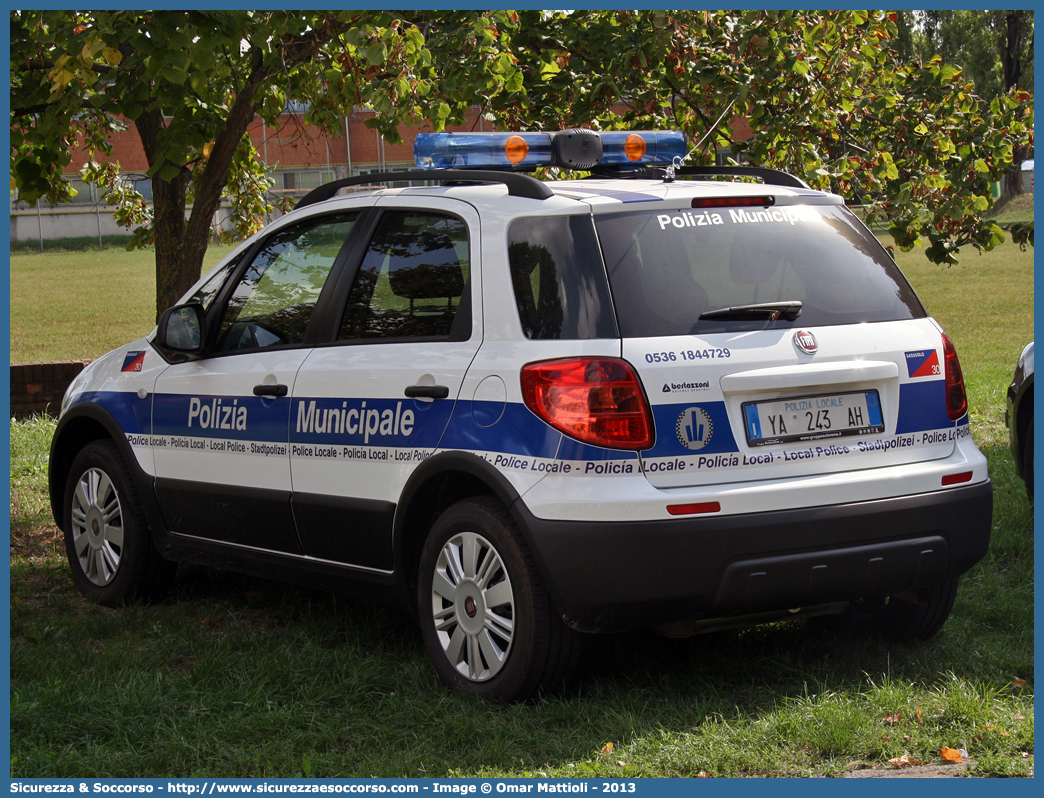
<point x="610" y="576"/>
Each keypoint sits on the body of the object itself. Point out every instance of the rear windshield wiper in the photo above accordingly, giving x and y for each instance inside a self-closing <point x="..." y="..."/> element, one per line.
<point x="771" y="311"/>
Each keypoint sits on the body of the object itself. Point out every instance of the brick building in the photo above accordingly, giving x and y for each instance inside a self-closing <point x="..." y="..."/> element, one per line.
<point x="303" y="156"/>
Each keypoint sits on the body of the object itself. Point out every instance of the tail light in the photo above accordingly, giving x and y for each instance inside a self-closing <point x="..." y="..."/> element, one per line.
<point x="956" y="396"/>
<point x="596" y="400"/>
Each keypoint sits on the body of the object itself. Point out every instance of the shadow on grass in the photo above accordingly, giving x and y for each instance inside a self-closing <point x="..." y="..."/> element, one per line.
<point x="238" y="676"/>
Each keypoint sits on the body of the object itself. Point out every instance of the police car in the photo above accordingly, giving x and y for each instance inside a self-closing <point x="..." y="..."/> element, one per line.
<point x="527" y="410"/>
<point x="1018" y="416"/>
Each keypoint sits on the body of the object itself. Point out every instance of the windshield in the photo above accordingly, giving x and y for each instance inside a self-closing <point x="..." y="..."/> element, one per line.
<point x="668" y="267"/>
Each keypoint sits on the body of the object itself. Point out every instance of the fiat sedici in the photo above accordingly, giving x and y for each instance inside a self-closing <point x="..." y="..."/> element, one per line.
<point x="653" y="396"/>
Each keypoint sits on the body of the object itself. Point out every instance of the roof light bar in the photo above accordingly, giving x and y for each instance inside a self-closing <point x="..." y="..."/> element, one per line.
<point x="482" y="150"/>
<point x="571" y="149"/>
<point x="643" y="147"/>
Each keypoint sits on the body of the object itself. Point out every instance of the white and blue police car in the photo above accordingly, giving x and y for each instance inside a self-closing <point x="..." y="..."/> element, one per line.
<point x="530" y="409"/>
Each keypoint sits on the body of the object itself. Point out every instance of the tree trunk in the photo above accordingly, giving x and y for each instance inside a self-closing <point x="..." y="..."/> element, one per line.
<point x="1011" y="61"/>
<point x="1012" y="185"/>
<point x="211" y="179"/>
<point x="180" y="243"/>
<point x="177" y="263"/>
<point x="1011" y="51"/>
<point x="174" y="274"/>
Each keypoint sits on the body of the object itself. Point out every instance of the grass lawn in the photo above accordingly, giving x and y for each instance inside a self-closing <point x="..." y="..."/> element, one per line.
<point x="1013" y="209"/>
<point x="236" y="676"/>
<point x="72" y="305"/>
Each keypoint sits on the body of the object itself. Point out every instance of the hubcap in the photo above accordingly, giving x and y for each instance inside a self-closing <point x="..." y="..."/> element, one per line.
<point x="473" y="606"/>
<point x="97" y="526"/>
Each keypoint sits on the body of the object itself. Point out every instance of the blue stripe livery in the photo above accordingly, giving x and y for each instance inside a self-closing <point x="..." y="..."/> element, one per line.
<point x="517" y="432"/>
<point x="717" y="436"/>
<point x="922" y="406"/>
<point x="131" y="413"/>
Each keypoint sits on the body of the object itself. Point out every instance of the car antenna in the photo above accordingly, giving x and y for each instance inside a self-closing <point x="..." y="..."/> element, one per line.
<point x="669" y="176"/>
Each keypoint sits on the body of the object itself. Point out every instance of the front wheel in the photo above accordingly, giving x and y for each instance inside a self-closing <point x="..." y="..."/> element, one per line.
<point x="107" y="541"/>
<point x="486" y="618"/>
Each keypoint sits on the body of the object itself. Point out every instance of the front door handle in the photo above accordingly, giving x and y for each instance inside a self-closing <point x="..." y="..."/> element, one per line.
<point x="427" y="391"/>
<point x="270" y="390"/>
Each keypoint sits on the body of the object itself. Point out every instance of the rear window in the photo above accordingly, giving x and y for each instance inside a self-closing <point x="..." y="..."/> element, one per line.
<point x="667" y="267"/>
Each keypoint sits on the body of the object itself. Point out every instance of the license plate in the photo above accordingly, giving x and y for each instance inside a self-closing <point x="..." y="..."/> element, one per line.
<point x="809" y="418"/>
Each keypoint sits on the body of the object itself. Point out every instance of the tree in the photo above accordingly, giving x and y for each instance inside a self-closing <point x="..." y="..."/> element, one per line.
<point x="993" y="48"/>
<point x="825" y="96"/>
<point x="191" y="83"/>
<point x="1016" y="39"/>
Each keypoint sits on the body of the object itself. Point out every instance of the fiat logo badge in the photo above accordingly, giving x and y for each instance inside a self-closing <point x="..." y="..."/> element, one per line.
<point x="806" y="342"/>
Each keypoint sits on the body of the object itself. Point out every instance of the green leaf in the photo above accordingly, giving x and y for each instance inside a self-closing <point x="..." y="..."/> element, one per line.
<point x="513" y="82"/>
<point x="375" y="54"/>
<point x="198" y="82"/>
<point x="415" y="38"/>
<point x="168" y="173"/>
<point x="549" y="68"/>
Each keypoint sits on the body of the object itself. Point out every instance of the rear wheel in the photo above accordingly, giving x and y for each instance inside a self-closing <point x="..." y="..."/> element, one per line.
<point x="486" y="618"/>
<point x="907" y="618"/>
<point x="1027" y="461"/>
<point x="107" y="540"/>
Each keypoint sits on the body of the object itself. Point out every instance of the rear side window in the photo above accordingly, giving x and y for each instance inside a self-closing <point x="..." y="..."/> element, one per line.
<point x="667" y="267"/>
<point x="559" y="279"/>
<point x="412" y="280"/>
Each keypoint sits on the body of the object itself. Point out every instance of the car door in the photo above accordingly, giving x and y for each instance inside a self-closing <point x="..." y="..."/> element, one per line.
<point x="373" y="402"/>
<point x="224" y="471"/>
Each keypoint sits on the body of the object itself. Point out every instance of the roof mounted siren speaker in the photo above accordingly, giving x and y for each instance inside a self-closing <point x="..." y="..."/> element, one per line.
<point x="576" y="149"/>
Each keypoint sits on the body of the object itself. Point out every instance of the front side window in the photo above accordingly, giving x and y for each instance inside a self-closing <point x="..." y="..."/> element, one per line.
<point x="275" y="298"/>
<point x="411" y="281"/>
<point x="207" y="292"/>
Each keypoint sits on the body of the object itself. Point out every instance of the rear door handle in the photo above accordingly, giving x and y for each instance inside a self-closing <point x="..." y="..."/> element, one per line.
<point x="427" y="391"/>
<point x="270" y="390"/>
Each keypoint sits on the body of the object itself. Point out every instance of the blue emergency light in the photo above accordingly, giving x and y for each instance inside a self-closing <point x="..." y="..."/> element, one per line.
<point x="570" y="149"/>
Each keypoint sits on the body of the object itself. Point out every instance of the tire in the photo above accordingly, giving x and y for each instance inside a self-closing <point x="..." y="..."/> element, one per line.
<point x="903" y="620"/>
<point x="1027" y="461"/>
<point x="486" y="618"/>
<point x="107" y="540"/>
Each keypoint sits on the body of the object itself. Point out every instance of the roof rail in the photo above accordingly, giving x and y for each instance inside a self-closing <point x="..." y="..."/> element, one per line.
<point x="518" y="185"/>
<point x="772" y="177"/>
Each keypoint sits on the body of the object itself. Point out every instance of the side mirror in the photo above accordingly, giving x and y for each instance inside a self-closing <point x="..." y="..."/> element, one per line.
<point x="180" y="331"/>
